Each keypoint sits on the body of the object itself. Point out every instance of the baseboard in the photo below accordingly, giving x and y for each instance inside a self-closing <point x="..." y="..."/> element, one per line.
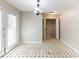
<point x="31" y="42"/>
<point x="70" y="46"/>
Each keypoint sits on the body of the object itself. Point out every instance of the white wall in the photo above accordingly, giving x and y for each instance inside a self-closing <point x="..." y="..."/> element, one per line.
<point x="70" y="27"/>
<point x="10" y="9"/>
<point x="31" y="25"/>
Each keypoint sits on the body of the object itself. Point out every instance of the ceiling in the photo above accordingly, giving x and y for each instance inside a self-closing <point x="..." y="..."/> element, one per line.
<point x="45" y="5"/>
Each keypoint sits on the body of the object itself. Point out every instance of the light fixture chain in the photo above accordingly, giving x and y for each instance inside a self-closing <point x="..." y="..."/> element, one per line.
<point x="38" y="3"/>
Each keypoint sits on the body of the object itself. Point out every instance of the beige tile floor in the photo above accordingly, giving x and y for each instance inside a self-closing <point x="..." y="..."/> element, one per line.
<point x="51" y="48"/>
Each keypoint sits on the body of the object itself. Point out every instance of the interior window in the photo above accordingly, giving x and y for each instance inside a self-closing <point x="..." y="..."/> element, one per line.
<point x="11" y="30"/>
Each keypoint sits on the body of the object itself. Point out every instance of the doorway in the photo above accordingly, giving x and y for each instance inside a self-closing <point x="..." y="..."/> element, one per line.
<point x="50" y="28"/>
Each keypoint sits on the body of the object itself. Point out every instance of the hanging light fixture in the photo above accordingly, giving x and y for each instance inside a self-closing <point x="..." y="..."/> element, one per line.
<point x="37" y="10"/>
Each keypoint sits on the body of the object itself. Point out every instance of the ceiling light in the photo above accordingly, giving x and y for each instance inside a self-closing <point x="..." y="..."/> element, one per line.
<point x="51" y="12"/>
<point x="37" y="10"/>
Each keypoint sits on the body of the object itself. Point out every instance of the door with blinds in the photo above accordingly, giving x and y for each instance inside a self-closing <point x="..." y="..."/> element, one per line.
<point x="7" y="32"/>
<point x="11" y="32"/>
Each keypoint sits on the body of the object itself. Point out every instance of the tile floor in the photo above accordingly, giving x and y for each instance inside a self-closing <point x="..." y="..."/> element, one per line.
<point x="48" y="49"/>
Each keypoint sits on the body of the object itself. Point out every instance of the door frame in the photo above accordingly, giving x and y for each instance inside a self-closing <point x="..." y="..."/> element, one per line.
<point x="4" y="29"/>
<point x="2" y="40"/>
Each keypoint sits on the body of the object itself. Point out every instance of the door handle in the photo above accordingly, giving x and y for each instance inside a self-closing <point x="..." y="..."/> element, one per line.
<point x="3" y="28"/>
<point x="4" y="35"/>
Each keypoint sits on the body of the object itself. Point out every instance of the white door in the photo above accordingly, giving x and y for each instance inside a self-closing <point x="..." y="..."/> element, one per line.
<point x="7" y="32"/>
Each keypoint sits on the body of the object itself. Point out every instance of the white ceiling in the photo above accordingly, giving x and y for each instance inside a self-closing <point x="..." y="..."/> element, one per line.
<point x="45" y="5"/>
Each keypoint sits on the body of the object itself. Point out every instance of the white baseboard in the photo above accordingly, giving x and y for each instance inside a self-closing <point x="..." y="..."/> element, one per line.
<point x="31" y="42"/>
<point x="70" y="46"/>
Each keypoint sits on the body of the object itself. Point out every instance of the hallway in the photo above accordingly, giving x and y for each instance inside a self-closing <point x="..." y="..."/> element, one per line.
<point x="51" y="48"/>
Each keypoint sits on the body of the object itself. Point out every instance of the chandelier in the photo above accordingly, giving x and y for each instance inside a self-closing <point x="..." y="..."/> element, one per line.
<point x="37" y="10"/>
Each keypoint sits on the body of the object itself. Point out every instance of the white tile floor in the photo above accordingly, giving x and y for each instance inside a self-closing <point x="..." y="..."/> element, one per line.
<point x="48" y="49"/>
